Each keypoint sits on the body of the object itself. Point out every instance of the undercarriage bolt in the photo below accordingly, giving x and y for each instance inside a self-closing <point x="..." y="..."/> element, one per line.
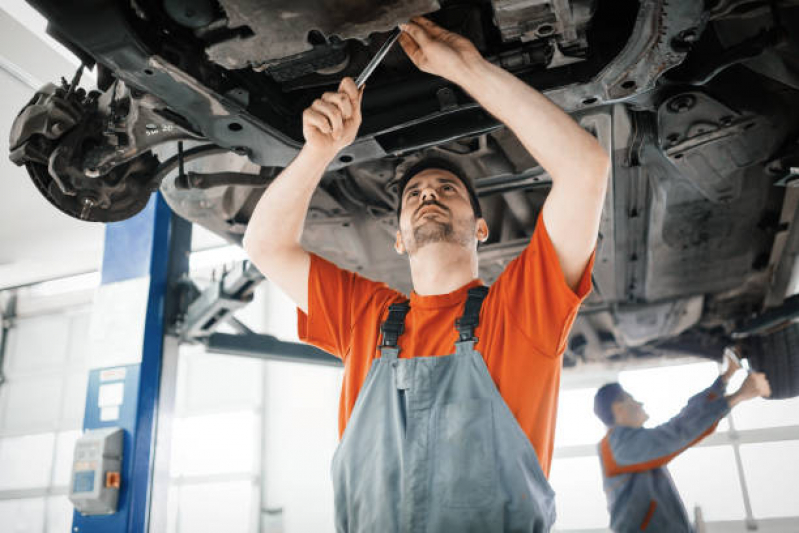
<point x="689" y="36"/>
<point x="87" y="204"/>
<point x="681" y="103"/>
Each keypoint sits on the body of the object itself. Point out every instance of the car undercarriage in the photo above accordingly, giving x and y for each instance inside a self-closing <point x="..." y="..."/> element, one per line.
<point x="697" y="102"/>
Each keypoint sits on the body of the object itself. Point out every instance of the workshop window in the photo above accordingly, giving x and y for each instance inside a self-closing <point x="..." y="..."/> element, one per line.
<point x="664" y="390"/>
<point x="707" y="477"/>
<point x="772" y="471"/>
<point x="577" y="425"/>
<point x="215" y="466"/>
<point x="760" y="413"/>
<point x="19" y="471"/>
<point x="41" y="410"/>
<point x="579" y="498"/>
<point x="214" y="444"/>
<point x="226" y="506"/>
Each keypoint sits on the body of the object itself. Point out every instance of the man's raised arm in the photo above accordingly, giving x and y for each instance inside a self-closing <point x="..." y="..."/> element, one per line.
<point x="573" y="158"/>
<point x="629" y="449"/>
<point x="272" y="239"/>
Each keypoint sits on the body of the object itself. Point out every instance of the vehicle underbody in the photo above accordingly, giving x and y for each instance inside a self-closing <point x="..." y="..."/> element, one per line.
<point x="698" y="103"/>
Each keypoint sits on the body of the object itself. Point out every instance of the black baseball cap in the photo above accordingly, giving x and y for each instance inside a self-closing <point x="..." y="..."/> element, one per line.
<point x="443" y="164"/>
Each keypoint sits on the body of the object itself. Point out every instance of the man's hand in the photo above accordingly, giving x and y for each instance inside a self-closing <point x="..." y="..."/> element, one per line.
<point x="273" y="236"/>
<point x="571" y="156"/>
<point x="437" y="51"/>
<point x="332" y="121"/>
<point x="755" y="386"/>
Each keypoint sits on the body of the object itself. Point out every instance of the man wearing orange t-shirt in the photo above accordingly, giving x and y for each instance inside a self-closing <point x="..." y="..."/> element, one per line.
<point x="449" y="399"/>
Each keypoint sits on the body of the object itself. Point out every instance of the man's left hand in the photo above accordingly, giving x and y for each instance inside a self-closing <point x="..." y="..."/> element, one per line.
<point x="437" y="51"/>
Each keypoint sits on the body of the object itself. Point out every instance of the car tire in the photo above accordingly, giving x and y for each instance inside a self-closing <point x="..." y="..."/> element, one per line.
<point x="776" y="354"/>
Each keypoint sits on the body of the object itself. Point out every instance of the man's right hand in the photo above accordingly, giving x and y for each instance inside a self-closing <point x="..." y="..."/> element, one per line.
<point x="755" y="386"/>
<point x="332" y="121"/>
<point x="437" y="51"/>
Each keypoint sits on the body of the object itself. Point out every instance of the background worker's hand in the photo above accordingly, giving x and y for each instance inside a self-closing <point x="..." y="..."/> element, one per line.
<point x="437" y="51"/>
<point x="332" y="121"/>
<point x="755" y="386"/>
<point x="730" y="365"/>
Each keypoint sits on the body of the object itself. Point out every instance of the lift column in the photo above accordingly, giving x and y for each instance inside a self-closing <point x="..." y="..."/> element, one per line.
<point x="143" y="259"/>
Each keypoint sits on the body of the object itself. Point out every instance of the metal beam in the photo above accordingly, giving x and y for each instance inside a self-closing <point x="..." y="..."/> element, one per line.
<point x="217" y="303"/>
<point x="771" y="318"/>
<point x="719" y="438"/>
<point x="36" y="492"/>
<point x="268" y="348"/>
<point x="7" y="315"/>
<point x="733" y="434"/>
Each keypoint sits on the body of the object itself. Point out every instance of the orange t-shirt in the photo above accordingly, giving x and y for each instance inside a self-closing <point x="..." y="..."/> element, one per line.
<point x="524" y="324"/>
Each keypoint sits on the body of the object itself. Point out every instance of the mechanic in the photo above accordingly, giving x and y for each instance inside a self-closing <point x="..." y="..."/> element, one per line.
<point x="641" y="494"/>
<point x="438" y="442"/>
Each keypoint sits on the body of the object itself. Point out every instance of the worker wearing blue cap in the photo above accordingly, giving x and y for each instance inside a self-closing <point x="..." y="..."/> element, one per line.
<point x="641" y="494"/>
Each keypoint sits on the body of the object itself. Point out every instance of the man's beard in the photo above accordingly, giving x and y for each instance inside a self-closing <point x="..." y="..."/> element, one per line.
<point x="434" y="231"/>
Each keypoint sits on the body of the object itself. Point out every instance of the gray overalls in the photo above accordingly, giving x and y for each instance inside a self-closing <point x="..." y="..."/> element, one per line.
<point x="431" y="445"/>
<point x="643" y="497"/>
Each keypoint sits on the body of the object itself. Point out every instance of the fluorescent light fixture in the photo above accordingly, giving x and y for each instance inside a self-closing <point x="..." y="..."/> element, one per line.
<point x="75" y="283"/>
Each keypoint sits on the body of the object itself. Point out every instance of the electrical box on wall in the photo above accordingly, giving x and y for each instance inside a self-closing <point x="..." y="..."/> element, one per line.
<point x="96" y="467"/>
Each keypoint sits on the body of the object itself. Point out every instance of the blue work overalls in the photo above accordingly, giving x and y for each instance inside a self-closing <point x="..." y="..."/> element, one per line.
<point x="431" y="446"/>
<point x="642" y="496"/>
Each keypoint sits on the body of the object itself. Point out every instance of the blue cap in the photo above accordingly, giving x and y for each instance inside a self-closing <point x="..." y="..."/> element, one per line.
<point x="603" y="402"/>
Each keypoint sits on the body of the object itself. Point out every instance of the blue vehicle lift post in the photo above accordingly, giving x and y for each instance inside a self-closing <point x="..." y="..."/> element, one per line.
<point x="151" y="252"/>
<point x="146" y="260"/>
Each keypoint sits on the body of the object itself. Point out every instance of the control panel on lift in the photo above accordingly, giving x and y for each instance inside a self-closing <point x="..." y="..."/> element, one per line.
<point x="96" y="468"/>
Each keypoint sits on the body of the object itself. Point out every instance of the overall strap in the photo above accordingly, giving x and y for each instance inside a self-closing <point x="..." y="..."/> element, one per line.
<point x="394" y="325"/>
<point x="471" y="314"/>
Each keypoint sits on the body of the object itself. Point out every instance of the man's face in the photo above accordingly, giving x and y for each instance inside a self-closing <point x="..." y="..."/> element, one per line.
<point x="436" y="208"/>
<point x="627" y="411"/>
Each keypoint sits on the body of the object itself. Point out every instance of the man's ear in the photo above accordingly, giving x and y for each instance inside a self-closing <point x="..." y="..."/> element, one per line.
<point x="481" y="230"/>
<point x="617" y="410"/>
<point x="398" y="245"/>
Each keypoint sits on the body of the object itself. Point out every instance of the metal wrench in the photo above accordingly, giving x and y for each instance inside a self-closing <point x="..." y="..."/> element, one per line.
<point x="372" y="65"/>
<point x="730" y="351"/>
